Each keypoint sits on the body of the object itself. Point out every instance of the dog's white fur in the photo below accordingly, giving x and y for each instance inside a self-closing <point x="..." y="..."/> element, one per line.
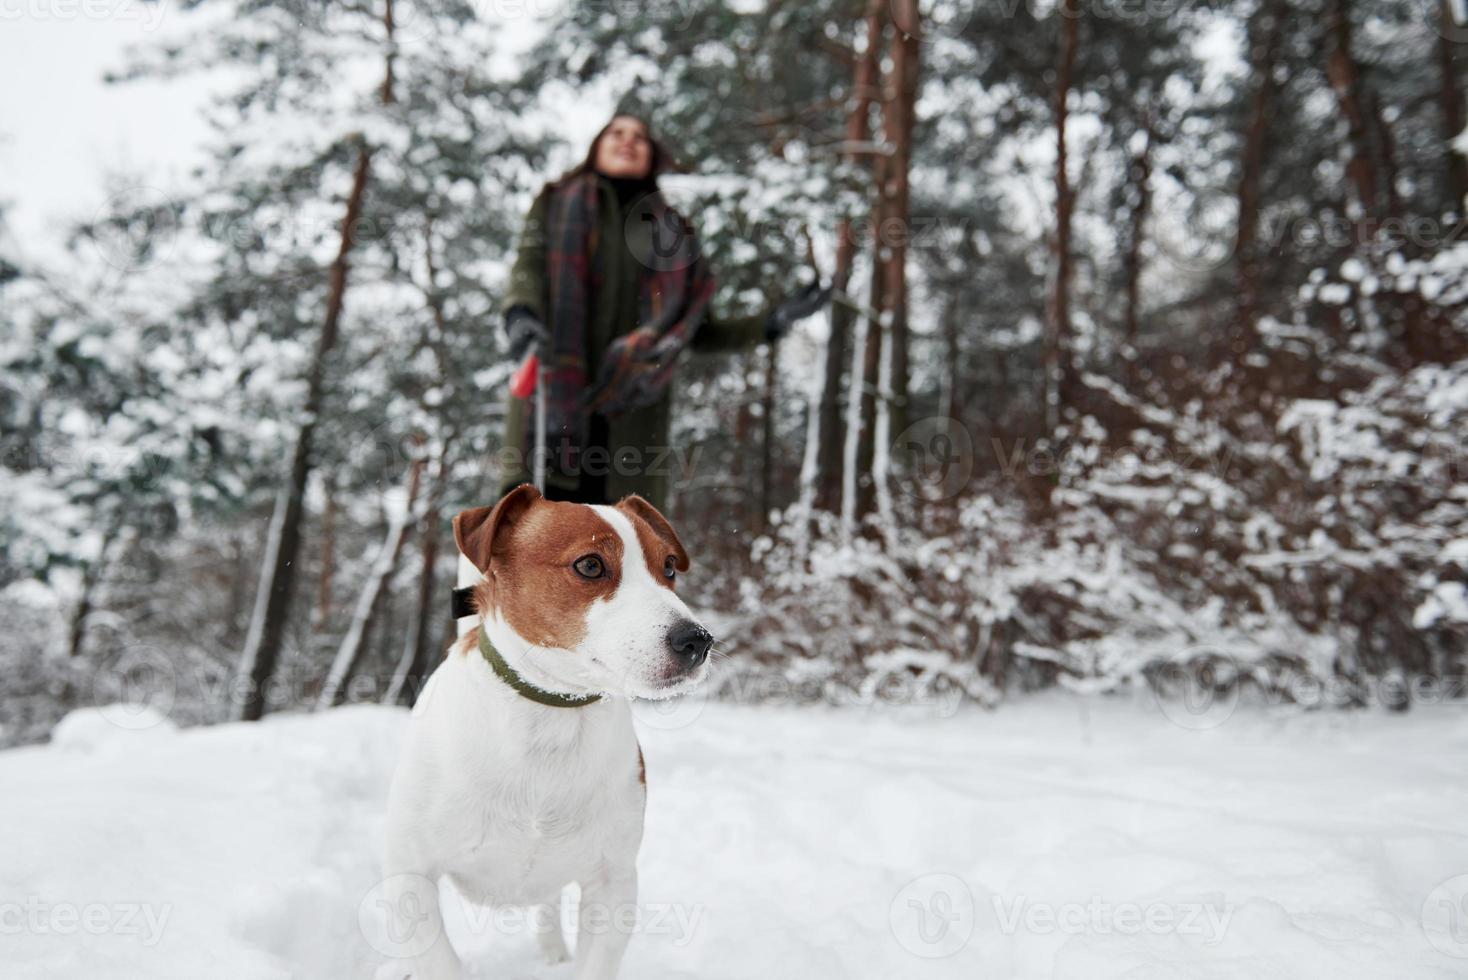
<point x="512" y="800"/>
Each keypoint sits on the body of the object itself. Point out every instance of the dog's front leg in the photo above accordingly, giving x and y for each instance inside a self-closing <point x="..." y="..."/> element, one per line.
<point x="415" y="934"/>
<point x="546" y="921"/>
<point x="606" y="920"/>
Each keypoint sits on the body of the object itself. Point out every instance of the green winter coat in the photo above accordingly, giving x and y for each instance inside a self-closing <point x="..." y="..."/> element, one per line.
<point x="645" y="461"/>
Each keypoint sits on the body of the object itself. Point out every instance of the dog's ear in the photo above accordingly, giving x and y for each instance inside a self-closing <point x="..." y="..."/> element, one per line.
<point x="634" y="504"/>
<point x="475" y="531"/>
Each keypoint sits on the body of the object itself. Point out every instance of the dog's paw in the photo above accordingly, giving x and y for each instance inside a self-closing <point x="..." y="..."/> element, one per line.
<point x="553" y="949"/>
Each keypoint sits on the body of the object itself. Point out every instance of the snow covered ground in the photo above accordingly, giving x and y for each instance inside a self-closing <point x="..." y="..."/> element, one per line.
<point x="1054" y="837"/>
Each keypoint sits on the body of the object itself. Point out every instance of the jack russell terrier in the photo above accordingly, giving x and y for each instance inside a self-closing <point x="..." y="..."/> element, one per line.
<point x="521" y="772"/>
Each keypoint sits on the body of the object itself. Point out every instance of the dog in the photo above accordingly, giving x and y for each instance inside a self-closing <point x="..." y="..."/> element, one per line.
<point x="521" y="772"/>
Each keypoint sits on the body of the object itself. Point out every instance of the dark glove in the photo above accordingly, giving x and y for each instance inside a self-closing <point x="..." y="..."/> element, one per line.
<point x="523" y="332"/>
<point x="634" y="373"/>
<point x="810" y="299"/>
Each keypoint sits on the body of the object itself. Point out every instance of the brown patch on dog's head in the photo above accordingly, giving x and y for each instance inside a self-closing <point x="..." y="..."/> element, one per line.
<point x="529" y="549"/>
<point x="660" y="544"/>
<point x="476" y="530"/>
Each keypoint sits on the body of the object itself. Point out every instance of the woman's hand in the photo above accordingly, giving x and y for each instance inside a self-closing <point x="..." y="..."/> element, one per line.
<point x="523" y="332"/>
<point x="808" y="300"/>
<point x="632" y="374"/>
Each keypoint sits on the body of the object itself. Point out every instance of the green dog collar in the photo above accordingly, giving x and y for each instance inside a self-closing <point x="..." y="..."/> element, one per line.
<point x="523" y="687"/>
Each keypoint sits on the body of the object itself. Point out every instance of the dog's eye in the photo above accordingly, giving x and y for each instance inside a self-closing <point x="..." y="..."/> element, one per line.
<point x="670" y="568"/>
<point x="590" y="566"/>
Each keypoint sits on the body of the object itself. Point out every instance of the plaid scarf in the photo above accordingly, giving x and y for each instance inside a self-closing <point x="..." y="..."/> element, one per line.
<point x="674" y="288"/>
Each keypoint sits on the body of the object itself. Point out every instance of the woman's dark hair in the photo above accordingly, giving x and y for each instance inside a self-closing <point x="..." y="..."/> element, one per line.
<point x="662" y="161"/>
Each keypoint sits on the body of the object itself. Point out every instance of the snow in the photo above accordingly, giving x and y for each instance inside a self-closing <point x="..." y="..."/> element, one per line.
<point x="1448" y="601"/>
<point x="1057" y="836"/>
<point x="35" y="594"/>
<point x="95" y="730"/>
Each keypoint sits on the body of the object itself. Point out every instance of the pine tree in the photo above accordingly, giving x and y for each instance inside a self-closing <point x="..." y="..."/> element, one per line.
<point x="396" y="196"/>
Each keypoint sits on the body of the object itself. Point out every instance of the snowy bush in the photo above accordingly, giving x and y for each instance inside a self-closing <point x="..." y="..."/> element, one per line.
<point x="1329" y="545"/>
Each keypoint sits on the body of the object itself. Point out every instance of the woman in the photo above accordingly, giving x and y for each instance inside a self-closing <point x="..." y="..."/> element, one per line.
<point x="609" y="288"/>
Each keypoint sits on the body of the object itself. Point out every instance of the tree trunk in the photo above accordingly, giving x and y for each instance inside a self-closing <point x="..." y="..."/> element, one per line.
<point x="1387" y="150"/>
<point x="889" y="266"/>
<point x="999" y="398"/>
<point x="898" y="123"/>
<point x="239" y="572"/>
<point x="831" y="436"/>
<point x="949" y="405"/>
<point x="1451" y="100"/>
<point x="1264" y="53"/>
<point x="864" y="482"/>
<point x="328" y="560"/>
<point x="767" y="436"/>
<point x="1057" y="353"/>
<point x="429" y="606"/>
<point x="278" y="569"/>
<point x="418" y="659"/>
<point x="1142" y="184"/>
<point x="402" y="676"/>
<point x="743" y="448"/>
<point x="382" y="630"/>
<point x="371" y="598"/>
<point x="1345" y="79"/>
<point x="91" y="576"/>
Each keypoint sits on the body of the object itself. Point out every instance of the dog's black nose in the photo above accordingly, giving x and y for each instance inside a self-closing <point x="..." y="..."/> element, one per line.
<point x="690" y="643"/>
